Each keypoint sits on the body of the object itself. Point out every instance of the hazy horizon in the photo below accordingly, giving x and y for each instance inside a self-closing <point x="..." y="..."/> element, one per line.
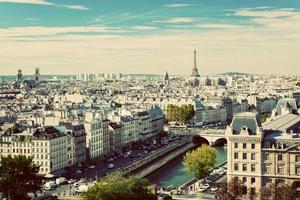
<point x="149" y="37"/>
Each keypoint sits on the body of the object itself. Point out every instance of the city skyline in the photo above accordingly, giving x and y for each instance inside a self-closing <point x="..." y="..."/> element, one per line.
<point x="62" y="37"/>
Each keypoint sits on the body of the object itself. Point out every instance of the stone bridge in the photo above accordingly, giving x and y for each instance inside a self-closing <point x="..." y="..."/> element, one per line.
<point x="214" y="137"/>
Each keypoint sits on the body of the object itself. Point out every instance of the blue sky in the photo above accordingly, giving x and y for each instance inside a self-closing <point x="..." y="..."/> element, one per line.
<point x="139" y="36"/>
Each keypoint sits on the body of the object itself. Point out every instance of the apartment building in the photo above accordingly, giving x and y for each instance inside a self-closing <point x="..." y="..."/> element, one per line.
<point x="261" y="154"/>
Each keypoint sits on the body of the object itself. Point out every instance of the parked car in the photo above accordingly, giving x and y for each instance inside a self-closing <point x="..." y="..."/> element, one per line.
<point x="110" y="166"/>
<point x="213" y="189"/>
<point x="61" y="180"/>
<point x="51" y="185"/>
<point x="71" y="181"/>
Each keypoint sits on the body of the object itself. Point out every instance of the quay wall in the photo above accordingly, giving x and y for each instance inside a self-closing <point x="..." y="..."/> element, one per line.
<point x="158" y="163"/>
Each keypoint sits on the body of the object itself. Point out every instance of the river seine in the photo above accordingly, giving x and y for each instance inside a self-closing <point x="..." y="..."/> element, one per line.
<point x="174" y="174"/>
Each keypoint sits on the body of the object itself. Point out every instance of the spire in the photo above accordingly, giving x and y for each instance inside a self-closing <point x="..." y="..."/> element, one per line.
<point x="195" y="59"/>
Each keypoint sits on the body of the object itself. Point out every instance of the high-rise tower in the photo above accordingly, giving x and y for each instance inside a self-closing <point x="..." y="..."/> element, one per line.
<point x="37" y="74"/>
<point x="19" y="75"/>
<point x="195" y="71"/>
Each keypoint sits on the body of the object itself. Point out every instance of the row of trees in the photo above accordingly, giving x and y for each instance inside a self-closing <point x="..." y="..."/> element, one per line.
<point x="180" y="114"/>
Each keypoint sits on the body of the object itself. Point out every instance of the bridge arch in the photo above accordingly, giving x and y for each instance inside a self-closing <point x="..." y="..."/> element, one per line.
<point x="220" y="142"/>
<point x="197" y="139"/>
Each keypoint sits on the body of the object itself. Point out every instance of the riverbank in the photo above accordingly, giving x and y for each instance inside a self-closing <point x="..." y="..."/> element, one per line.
<point x="163" y="160"/>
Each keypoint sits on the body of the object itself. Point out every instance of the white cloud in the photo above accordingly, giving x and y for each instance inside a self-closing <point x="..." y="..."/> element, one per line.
<point x="42" y="2"/>
<point x="265" y="13"/>
<point x="74" y="7"/>
<point x="178" y="5"/>
<point x="218" y="26"/>
<point x="176" y="20"/>
<point x="47" y="3"/>
<point x="36" y="31"/>
<point x="144" y="27"/>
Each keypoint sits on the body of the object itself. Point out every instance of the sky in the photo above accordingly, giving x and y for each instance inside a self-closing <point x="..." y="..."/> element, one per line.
<point x="150" y="36"/>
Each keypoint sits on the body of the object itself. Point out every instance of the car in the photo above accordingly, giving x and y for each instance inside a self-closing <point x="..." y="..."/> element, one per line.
<point x="71" y="181"/>
<point x="140" y="154"/>
<point x="91" y="166"/>
<point x="110" y="166"/>
<point x="110" y="159"/>
<point x="213" y="189"/>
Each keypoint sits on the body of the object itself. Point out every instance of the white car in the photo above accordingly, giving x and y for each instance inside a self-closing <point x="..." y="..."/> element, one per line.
<point x="71" y="181"/>
<point x="213" y="189"/>
<point x="92" y="167"/>
<point x="110" y="166"/>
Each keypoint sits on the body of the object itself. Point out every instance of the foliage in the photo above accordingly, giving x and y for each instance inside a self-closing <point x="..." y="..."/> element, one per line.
<point x="200" y="161"/>
<point x="263" y="118"/>
<point x="182" y="114"/>
<point x="116" y="187"/>
<point x="232" y="190"/>
<point x="298" y="84"/>
<point x="278" y="192"/>
<point x="18" y="176"/>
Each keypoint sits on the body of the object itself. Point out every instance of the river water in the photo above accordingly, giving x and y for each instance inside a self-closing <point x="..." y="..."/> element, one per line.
<point x="174" y="174"/>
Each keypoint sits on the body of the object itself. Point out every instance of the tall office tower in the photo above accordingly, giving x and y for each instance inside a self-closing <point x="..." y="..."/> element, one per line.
<point x="19" y="75"/>
<point x="195" y="71"/>
<point x="37" y="75"/>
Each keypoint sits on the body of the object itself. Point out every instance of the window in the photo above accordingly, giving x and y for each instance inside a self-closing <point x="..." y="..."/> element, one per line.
<point x="236" y="145"/>
<point x="268" y="169"/>
<point x="298" y="170"/>
<point x="236" y="155"/>
<point x="279" y="157"/>
<point x="244" y="167"/>
<point x="252" y="156"/>
<point x="244" y="179"/>
<point x="252" y="180"/>
<point x="297" y="159"/>
<point x="252" y="146"/>
<point x="252" y="167"/>
<point x="244" y="156"/>
<point x="252" y="191"/>
<point x="280" y="170"/>
<point x="236" y="166"/>
<point x="244" y="145"/>
<point x="267" y="156"/>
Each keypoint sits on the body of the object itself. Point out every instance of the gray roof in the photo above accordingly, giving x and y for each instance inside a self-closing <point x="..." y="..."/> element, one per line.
<point x="282" y="123"/>
<point x="247" y="119"/>
<point x="286" y="102"/>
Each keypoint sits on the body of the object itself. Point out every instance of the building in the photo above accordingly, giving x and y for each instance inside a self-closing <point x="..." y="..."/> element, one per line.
<point x="97" y="134"/>
<point x="78" y="135"/>
<point x="115" y="134"/>
<point x="261" y="154"/>
<point x="209" y="115"/>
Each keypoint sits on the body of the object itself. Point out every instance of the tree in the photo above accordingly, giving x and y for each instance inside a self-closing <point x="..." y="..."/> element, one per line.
<point x="181" y="114"/>
<point x="116" y="187"/>
<point x="279" y="191"/>
<point x="18" y="176"/>
<point x="298" y="84"/>
<point x="200" y="161"/>
<point x="234" y="190"/>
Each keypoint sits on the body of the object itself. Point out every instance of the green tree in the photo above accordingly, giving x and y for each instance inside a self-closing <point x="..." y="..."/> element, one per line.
<point x="116" y="187"/>
<point x="18" y="177"/>
<point x="298" y="84"/>
<point x="182" y="114"/>
<point x="279" y="191"/>
<point x="234" y="190"/>
<point x="200" y="161"/>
